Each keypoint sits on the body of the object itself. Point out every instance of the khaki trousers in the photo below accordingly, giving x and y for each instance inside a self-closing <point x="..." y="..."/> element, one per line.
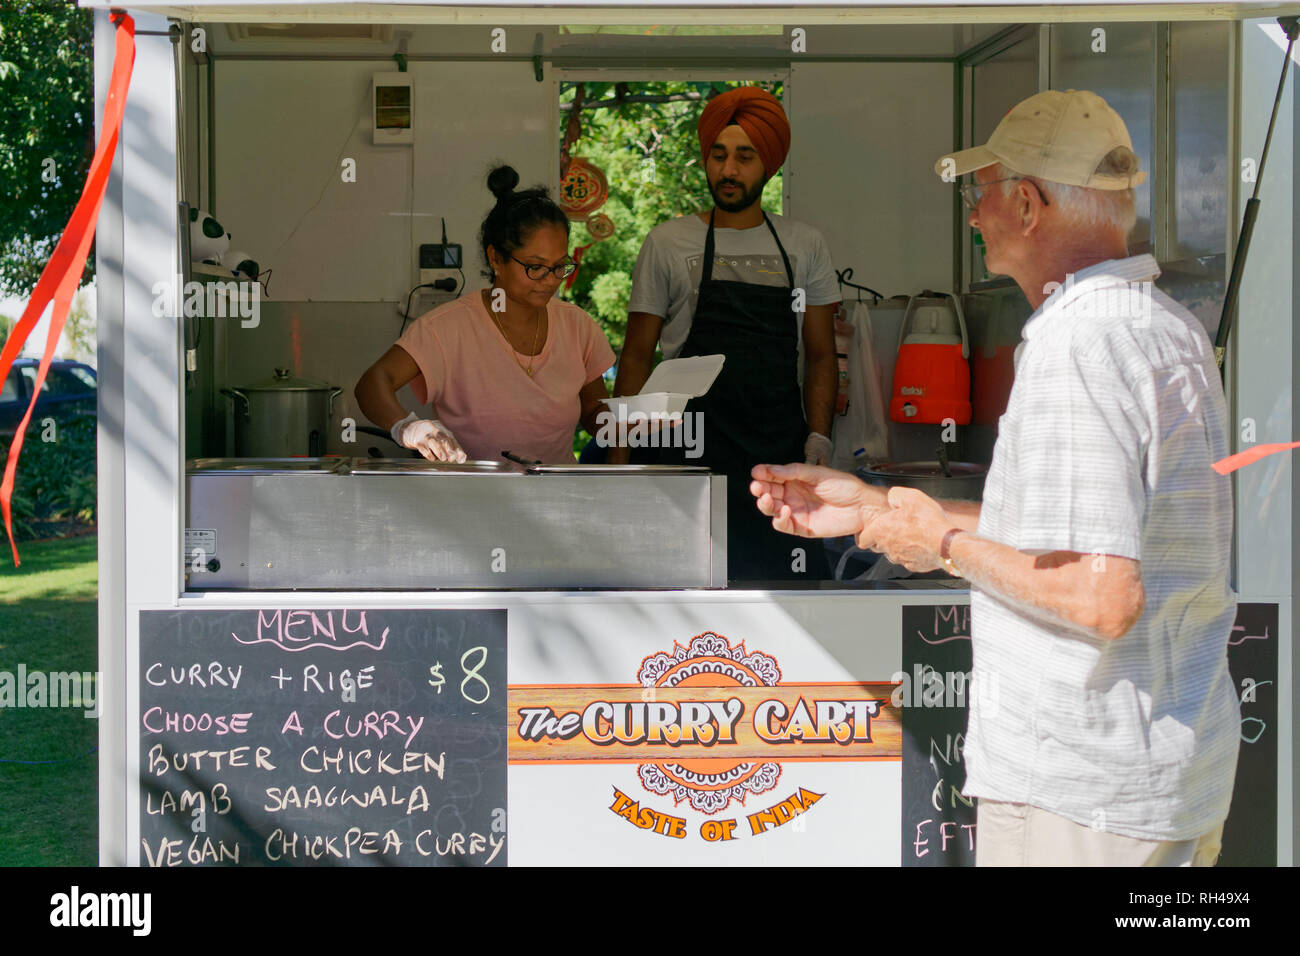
<point x="1016" y="834"/>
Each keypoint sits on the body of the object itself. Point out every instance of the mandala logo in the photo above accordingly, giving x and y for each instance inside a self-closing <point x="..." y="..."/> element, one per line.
<point x="709" y="662"/>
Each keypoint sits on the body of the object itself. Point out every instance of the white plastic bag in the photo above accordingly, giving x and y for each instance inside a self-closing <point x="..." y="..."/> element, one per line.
<point x="862" y="432"/>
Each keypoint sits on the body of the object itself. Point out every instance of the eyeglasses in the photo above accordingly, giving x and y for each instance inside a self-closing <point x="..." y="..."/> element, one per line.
<point x="535" y="271"/>
<point x="970" y="193"/>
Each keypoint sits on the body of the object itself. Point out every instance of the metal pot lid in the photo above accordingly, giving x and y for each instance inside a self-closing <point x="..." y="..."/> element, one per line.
<point x="285" y="381"/>
<point x="926" y="469"/>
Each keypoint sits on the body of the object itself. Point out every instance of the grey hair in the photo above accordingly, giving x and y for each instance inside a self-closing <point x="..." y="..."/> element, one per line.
<point x="1091" y="207"/>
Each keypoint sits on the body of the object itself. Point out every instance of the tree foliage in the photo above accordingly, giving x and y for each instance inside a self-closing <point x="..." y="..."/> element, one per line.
<point x="79" y="328"/>
<point x="47" y="131"/>
<point x="55" y="486"/>
<point x="650" y="155"/>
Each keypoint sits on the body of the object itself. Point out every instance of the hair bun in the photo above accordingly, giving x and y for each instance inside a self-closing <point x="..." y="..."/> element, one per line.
<point x="502" y="181"/>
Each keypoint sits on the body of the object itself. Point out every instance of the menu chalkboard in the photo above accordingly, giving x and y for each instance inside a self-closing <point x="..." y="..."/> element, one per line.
<point x="938" y="822"/>
<point x="338" y="736"/>
<point x="1250" y="833"/>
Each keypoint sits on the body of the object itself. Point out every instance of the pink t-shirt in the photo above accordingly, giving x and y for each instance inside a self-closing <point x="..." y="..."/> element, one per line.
<point x="473" y="378"/>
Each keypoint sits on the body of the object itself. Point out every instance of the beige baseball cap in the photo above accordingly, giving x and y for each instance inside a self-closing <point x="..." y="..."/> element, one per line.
<point x="1059" y="136"/>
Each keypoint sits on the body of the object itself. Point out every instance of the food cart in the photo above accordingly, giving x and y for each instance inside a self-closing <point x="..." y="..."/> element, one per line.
<point x="338" y="656"/>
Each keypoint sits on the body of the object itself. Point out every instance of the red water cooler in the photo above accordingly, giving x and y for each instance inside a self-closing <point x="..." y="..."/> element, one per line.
<point x="932" y="371"/>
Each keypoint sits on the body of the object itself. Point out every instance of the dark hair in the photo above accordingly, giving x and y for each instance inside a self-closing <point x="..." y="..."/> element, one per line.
<point x="515" y="215"/>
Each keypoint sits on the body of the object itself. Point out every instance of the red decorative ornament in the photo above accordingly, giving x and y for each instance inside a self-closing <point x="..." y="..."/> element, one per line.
<point x="583" y="189"/>
<point x="600" y="226"/>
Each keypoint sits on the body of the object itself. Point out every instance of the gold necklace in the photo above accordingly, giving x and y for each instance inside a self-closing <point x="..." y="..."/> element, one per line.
<point x="537" y="328"/>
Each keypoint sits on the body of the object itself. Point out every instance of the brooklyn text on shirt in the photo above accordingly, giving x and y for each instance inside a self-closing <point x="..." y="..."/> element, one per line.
<point x="773" y="264"/>
<point x="1115" y="298"/>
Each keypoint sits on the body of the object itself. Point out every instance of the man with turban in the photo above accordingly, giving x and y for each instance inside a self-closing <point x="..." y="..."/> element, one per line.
<point x="736" y="281"/>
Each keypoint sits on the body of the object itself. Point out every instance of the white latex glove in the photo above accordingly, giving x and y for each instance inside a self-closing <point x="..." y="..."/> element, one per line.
<point x="430" y="437"/>
<point x="817" y="450"/>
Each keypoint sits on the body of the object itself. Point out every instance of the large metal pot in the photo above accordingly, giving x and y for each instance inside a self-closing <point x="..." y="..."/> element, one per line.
<point x="964" y="480"/>
<point x="282" y="417"/>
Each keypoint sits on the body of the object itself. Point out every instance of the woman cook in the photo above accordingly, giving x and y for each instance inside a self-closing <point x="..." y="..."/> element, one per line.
<point x="505" y="367"/>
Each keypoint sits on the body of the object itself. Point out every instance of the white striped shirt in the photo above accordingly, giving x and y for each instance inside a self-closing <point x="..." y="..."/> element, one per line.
<point x="1105" y="449"/>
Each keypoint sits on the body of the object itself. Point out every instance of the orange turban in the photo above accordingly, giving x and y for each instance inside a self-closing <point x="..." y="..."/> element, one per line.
<point x="759" y="114"/>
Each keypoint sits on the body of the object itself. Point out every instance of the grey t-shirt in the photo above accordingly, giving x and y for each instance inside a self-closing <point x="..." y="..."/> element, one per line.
<point x="666" y="279"/>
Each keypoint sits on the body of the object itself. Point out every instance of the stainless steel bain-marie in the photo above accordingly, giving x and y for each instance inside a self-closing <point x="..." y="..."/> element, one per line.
<point x="330" y="524"/>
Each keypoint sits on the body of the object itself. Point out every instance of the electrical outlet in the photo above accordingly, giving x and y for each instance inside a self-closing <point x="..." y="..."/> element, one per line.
<point x="439" y="255"/>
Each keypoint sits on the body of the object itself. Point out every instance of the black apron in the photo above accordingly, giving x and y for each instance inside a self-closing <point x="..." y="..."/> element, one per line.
<point x="753" y="413"/>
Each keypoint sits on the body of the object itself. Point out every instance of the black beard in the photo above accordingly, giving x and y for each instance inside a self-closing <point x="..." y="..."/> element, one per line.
<point x="747" y="199"/>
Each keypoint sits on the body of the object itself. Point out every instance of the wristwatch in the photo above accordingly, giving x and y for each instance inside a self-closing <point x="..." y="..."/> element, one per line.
<point x="945" y="554"/>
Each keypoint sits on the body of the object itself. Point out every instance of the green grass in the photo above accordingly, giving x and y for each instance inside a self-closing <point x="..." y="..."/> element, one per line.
<point x="48" y="811"/>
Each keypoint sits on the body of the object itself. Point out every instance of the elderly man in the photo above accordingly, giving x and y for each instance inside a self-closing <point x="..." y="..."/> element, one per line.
<point x="1099" y="558"/>
<point x="735" y="281"/>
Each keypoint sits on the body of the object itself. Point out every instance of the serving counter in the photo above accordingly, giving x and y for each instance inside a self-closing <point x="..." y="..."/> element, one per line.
<point x="330" y="524"/>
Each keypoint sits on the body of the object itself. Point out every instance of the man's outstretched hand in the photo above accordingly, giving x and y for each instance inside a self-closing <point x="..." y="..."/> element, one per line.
<point x="909" y="532"/>
<point x="814" y="502"/>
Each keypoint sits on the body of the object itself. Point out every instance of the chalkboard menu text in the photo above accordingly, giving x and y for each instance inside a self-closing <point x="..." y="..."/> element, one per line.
<point x="336" y="736"/>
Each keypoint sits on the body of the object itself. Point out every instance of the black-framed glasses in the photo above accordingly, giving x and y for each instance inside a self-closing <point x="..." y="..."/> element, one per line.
<point x="970" y="193"/>
<point x="536" y="271"/>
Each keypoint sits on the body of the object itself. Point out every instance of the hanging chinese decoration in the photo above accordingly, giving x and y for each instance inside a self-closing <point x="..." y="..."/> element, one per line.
<point x="583" y="189"/>
<point x="600" y="226"/>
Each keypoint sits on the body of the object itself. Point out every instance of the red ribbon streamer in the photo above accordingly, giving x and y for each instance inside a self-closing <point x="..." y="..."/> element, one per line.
<point x="59" y="279"/>
<point x="577" y="261"/>
<point x="1230" y="464"/>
